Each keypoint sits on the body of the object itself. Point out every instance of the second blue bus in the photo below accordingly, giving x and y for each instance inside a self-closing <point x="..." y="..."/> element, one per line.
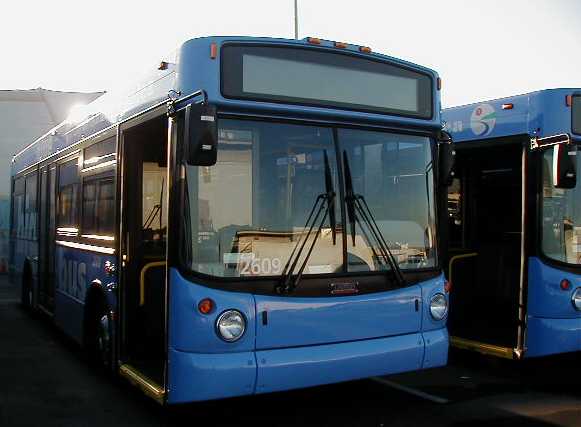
<point x="515" y="225"/>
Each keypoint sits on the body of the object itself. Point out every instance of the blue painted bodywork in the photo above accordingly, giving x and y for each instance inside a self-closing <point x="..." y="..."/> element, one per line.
<point x="76" y="271"/>
<point x="543" y="113"/>
<point x="308" y="341"/>
<point x="192" y="69"/>
<point x="309" y="321"/>
<point x="552" y="324"/>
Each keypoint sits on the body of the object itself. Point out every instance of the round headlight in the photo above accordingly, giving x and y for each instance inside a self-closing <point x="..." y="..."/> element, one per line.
<point x="231" y="325"/>
<point x="576" y="299"/>
<point x="438" y="306"/>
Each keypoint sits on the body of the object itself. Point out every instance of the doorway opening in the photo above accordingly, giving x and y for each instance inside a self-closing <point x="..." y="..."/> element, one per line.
<point x="144" y="244"/>
<point x="485" y="223"/>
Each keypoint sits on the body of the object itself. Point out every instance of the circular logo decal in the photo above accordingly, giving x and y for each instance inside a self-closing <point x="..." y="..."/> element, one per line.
<point x="483" y="119"/>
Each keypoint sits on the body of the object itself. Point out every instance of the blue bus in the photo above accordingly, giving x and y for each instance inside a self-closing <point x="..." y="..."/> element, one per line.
<point x="514" y="213"/>
<point x="256" y="215"/>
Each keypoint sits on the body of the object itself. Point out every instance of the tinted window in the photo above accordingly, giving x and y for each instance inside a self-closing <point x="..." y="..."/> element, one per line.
<point x="18" y="208"/>
<point x="314" y="77"/>
<point x="99" y="207"/>
<point x="30" y="206"/>
<point x="250" y="209"/>
<point x="393" y="174"/>
<point x="89" y="205"/>
<point x="577" y="114"/>
<point x="561" y="216"/>
<point x="68" y="205"/>
<point x="99" y="153"/>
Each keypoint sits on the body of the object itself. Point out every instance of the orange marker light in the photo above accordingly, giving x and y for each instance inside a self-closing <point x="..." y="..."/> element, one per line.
<point x="340" y="45"/>
<point x="364" y="49"/>
<point x="313" y="40"/>
<point x="508" y="106"/>
<point x="206" y="306"/>
<point x="213" y="50"/>
<point x="569" y="100"/>
<point x="162" y="65"/>
<point x="448" y="286"/>
<point x="439" y="83"/>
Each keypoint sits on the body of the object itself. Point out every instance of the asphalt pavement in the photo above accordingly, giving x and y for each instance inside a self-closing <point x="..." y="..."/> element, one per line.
<point x="45" y="380"/>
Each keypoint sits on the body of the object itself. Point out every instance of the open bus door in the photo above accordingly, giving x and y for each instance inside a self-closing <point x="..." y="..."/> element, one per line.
<point x="143" y="244"/>
<point x="487" y="261"/>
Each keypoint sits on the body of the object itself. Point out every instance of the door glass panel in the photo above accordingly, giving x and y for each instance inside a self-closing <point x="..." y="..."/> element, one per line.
<point x="561" y="215"/>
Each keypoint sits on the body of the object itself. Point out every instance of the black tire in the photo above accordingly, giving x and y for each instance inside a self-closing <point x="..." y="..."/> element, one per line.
<point x="26" y="288"/>
<point x="99" y="337"/>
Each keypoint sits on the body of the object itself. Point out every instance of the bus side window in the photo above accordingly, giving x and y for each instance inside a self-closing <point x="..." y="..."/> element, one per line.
<point x="99" y="206"/>
<point x="68" y="206"/>
<point x="30" y="206"/>
<point x="18" y="209"/>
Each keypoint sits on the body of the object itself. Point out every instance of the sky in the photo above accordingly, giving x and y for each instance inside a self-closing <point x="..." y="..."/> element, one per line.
<point x="482" y="50"/>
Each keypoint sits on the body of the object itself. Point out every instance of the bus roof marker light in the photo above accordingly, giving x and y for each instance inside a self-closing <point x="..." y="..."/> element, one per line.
<point x="507" y="106"/>
<point x="340" y="45"/>
<point x="213" y="50"/>
<point x="365" y="49"/>
<point x="439" y="83"/>
<point x="569" y="100"/>
<point x="313" y="40"/>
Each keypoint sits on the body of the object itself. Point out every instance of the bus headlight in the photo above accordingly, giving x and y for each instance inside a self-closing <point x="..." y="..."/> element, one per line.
<point x="576" y="299"/>
<point x="438" y="306"/>
<point x="231" y="325"/>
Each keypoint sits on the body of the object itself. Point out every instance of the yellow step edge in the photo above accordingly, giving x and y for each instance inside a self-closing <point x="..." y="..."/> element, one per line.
<point x="146" y="385"/>
<point x="493" y="350"/>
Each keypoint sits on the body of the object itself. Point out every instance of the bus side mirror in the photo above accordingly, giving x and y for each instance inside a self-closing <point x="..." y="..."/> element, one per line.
<point x="564" y="166"/>
<point x="201" y="134"/>
<point x="446" y="159"/>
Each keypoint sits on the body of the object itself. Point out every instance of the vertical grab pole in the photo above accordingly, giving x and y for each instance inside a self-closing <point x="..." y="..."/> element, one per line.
<point x="520" y="340"/>
<point x="296" y="20"/>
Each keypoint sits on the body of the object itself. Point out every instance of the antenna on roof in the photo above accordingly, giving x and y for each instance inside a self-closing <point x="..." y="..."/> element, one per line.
<point x="296" y="20"/>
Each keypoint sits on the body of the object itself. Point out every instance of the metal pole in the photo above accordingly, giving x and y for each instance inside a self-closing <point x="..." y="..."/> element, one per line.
<point x="296" y="20"/>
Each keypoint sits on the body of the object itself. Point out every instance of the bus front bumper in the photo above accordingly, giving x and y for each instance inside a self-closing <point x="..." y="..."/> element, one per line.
<point x="196" y="377"/>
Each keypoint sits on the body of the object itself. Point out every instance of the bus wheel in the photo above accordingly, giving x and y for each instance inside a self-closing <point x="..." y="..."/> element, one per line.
<point x="104" y="341"/>
<point x="26" y="289"/>
<point x="100" y="338"/>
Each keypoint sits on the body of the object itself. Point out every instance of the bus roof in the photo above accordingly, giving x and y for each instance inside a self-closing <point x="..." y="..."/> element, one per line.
<point x="192" y="68"/>
<point x="541" y="113"/>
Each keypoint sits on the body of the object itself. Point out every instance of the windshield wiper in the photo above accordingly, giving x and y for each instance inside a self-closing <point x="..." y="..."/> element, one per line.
<point x="324" y="201"/>
<point x="358" y="211"/>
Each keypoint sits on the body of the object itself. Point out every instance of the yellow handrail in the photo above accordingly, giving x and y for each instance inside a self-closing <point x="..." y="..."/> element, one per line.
<point x="142" y="278"/>
<point x="455" y="258"/>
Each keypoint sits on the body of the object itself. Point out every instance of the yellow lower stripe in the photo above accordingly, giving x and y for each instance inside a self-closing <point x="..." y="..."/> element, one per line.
<point x="493" y="350"/>
<point x="148" y="387"/>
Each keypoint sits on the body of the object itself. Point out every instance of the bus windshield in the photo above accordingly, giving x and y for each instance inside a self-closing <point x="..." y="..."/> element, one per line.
<point x="561" y="213"/>
<point x="248" y="211"/>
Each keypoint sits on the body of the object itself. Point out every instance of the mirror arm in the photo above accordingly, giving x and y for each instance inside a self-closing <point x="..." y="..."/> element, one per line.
<point x="174" y="99"/>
